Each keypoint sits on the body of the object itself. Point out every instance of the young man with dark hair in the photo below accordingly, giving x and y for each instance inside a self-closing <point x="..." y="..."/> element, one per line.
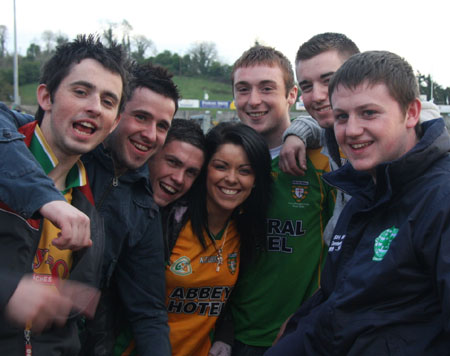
<point x="133" y="263"/>
<point x="133" y="266"/>
<point x="175" y="167"/>
<point x="173" y="170"/>
<point x="265" y="295"/>
<point x="78" y="111"/>
<point x="316" y="61"/>
<point x="386" y="279"/>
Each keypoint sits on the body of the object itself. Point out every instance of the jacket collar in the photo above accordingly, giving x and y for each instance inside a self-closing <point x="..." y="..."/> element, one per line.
<point x="434" y="144"/>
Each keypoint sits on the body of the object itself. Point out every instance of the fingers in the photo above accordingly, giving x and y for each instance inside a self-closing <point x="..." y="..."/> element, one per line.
<point x="75" y="226"/>
<point x="84" y="298"/>
<point x="293" y="156"/>
<point x="37" y="304"/>
<point x="52" y="309"/>
<point x="220" y="348"/>
<point x="292" y="166"/>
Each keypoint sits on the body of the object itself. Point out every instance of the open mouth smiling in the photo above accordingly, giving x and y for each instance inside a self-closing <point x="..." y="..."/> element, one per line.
<point x="229" y="191"/>
<point x="357" y="146"/>
<point x="257" y="114"/>
<point x="167" y="188"/>
<point x="140" y="146"/>
<point x="84" y="128"/>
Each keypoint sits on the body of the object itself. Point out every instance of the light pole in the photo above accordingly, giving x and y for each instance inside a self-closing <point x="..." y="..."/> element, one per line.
<point x="16" y="64"/>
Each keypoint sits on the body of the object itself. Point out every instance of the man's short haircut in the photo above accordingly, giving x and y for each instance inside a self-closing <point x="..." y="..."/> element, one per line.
<point x="187" y="131"/>
<point x="325" y="42"/>
<point x="378" y="67"/>
<point x="156" y="79"/>
<point x="258" y="55"/>
<point x="113" y="58"/>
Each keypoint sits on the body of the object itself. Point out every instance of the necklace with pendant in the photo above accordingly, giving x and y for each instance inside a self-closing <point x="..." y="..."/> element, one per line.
<point x="220" y="250"/>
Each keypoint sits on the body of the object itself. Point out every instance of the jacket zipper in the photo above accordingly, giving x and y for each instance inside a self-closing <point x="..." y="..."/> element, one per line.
<point x="114" y="183"/>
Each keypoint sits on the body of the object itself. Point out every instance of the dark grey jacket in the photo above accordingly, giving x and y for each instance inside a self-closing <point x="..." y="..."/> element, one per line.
<point x="19" y="239"/>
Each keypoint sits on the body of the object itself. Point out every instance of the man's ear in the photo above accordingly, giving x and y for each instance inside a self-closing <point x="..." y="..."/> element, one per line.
<point x="292" y="95"/>
<point x="413" y="113"/>
<point x="116" y="122"/>
<point x="43" y="97"/>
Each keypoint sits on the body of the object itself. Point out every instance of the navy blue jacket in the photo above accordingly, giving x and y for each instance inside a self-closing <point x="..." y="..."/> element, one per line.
<point x="28" y="178"/>
<point x="133" y="261"/>
<point x="385" y="288"/>
<point x="134" y="249"/>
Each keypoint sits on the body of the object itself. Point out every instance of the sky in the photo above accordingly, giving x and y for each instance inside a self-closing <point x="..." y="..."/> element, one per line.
<point x="415" y="30"/>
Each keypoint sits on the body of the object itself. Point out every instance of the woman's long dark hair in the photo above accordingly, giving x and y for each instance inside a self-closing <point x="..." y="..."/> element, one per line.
<point x="250" y="217"/>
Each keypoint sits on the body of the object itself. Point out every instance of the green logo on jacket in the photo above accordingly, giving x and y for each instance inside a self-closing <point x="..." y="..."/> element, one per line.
<point x="383" y="242"/>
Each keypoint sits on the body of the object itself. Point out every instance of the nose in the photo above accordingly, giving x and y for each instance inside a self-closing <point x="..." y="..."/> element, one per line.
<point x="231" y="177"/>
<point x="255" y="98"/>
<point x="178" y="176"/>
<point x="94" y="105"/>
<point x="320" y="93"/>
<point x="149" y="132"/>
<point x="353" y="127"/>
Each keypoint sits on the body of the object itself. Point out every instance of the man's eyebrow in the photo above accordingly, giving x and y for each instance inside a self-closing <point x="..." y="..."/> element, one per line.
<point x="83" y="83"/>
<point x="325" y="75"/>
<point x="262" y="82"/>
<point x="322" y="76"/>
<point x="304" y="82"/>
<point x="242" y="82"/>
<point x="268" y="81"/>
<point x="142" y="112"/>
<point x="174" y="157"/>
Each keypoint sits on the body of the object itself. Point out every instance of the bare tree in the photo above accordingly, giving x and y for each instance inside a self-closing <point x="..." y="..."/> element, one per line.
<point x="49" y="39"/>
<point x="126" y="29"/>
<point x="202" y="54"/>
<point x="142" y="45"/>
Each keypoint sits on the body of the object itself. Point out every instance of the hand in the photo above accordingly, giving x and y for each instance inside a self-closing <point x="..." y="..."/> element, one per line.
<point x="37" y="303"/>
<point x="75" y="226"/>
<point x="293" y="156"/>
<point x="220" y="348"/>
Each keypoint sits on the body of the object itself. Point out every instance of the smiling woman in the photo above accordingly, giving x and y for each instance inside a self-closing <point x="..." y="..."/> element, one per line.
<point x="226" y="226"/>
<point x="222" y="228"/>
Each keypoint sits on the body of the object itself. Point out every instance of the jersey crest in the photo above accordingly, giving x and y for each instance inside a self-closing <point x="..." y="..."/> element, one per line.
<point x="299" y="190"/>
<point x="232" y="262"/>
<point x="182" y="266"/>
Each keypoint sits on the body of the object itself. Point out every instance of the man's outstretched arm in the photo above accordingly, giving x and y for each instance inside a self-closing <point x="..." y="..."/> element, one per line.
<point x="25" y="188"/>
<point x="303" y="132"/>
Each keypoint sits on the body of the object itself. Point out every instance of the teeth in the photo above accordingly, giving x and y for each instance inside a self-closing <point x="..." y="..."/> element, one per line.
<point x="256" y="114"/>
<point x="323" y="109"/>
<point x="87" y="124"/>
<point x="140" y="147"/>
<point x="168" y="188"/>
<point x="84" y="128"/>
<point x="229" y="191"/>
<point x="82" y="132"/>
<point x="360" y="145"/>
